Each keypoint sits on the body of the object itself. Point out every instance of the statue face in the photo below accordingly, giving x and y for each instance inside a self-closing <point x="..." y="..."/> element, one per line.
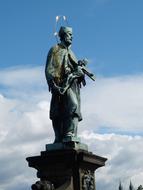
<point x="68" y="36"/>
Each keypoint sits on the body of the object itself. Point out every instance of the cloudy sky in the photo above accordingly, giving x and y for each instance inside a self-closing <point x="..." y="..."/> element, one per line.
<point x="109" y="34"/>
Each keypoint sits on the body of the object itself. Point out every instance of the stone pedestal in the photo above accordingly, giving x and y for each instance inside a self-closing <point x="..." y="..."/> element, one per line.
<point x="65" y="169"/>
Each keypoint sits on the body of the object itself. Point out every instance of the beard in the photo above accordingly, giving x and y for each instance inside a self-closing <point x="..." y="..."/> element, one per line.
<point x="68" y="41"/>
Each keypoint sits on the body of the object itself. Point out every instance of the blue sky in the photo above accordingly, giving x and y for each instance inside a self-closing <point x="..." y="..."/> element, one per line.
<point x="109" y="34"/>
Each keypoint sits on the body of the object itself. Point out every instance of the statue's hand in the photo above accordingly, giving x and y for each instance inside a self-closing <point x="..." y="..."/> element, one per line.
<point x="80" y="73"/>
<point x="67" y="71"/>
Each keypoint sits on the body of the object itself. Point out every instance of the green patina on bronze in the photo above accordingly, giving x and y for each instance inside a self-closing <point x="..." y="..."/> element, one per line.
<point x="65" y="74"/>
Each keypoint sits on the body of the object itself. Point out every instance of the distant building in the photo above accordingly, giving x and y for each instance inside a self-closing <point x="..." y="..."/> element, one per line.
<point x="131" y="187"/>
<point x="140" y="187"/>
<point x="120" y="186"/>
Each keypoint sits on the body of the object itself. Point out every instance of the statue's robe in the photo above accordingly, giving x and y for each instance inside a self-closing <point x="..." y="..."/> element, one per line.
<point x="59" y="60"/>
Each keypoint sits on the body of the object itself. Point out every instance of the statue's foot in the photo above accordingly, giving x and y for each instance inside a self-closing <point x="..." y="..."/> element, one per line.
<point x="71" y="138"/>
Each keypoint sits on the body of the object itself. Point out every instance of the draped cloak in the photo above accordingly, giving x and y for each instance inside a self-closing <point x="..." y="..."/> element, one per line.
<point x="60" y="59"/>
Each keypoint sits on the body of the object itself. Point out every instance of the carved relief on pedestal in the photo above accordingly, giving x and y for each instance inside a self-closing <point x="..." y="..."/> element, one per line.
<point x="88" y="180"/>
<point x="42" y="185"/>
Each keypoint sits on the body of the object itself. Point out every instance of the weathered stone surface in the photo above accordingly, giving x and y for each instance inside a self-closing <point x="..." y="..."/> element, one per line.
<point x="67" y="169"/>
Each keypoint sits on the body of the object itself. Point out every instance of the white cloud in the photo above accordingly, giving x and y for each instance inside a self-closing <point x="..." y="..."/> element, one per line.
<point x="23" y="133"/>
<point x="124" y="158"/>
<point x="115" y="103"/>
<point x="24" y="83"/>
<point x="112" y="104"/>
<point x="14" y="76"/>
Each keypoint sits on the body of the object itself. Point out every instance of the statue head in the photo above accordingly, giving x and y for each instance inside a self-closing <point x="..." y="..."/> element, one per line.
<point x="65" y="34"/>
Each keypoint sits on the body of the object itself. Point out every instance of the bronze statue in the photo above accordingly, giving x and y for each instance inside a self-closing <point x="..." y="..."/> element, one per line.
<point x="65" y="74"/>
